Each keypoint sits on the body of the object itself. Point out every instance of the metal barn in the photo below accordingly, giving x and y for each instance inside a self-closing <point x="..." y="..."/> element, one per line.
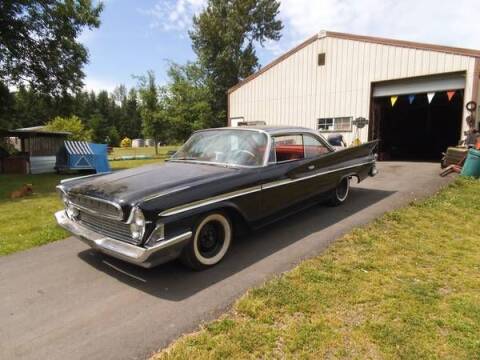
<point x="412" y="94"/>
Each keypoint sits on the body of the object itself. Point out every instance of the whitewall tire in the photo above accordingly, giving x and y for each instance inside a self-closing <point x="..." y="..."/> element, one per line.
<point x="340" y="194"/>
<point x="211" y="240"/>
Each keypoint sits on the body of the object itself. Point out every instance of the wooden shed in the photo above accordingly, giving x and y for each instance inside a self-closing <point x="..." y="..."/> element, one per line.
<point x="37" y="150"/>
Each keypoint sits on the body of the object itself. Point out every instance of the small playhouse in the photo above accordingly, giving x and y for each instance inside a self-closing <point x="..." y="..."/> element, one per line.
<point x="81" y="155"/>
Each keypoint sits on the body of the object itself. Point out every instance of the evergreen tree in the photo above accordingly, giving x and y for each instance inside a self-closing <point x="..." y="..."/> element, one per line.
<point x="133" y="122"/>
<point x="224" y="36"/>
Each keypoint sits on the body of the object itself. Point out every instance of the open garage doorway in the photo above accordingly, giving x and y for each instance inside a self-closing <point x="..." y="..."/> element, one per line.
<point x="414" y="128"/>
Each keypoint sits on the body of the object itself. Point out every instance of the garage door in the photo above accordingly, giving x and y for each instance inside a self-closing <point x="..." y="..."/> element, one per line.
<point x="414" y="126"/>
<point x="419" y="85"/>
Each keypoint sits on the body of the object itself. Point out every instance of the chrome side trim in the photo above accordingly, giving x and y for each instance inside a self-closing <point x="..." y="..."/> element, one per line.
<point x="276" y="183"/>
<point x="212" y="200"/>
<point x="214" y="163"/>
<point x="119" y="249"/>
<point x="234" y="194"/>
<point x="270" y="185"/>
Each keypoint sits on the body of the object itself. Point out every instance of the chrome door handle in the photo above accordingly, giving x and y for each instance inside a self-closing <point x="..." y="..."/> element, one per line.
<point x="311" y="167"/>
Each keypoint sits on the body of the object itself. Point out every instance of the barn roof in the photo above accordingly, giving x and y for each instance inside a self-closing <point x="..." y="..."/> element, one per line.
<point x="26" y="133"/>
<point x="362" y="38"/>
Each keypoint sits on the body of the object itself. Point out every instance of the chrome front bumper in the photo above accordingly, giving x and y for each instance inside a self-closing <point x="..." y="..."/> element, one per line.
<point x="121" y="250"/>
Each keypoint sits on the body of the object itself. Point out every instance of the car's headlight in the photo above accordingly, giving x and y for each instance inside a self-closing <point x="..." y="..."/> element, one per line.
<point x="137" y="225"/>
<point x="65" y="200"/>
<point x="72" y="211"/>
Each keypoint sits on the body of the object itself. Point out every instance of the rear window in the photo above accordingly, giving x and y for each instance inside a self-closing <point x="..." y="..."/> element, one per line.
<point x="289" y="147"/>
<point x="296" y="147"/>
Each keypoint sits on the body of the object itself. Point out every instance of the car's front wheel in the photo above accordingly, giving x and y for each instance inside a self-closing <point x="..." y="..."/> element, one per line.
<point x="211" y="241"/>
<point x="340" y="193"/>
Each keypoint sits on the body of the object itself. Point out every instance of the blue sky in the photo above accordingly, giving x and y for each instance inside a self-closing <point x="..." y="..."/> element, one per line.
<point x="136" y="36"/>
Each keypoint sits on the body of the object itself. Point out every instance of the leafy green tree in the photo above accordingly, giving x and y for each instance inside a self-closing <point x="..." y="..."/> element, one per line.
<point x="188" y="101"/>
<point x="73" y="125"/>
<point x="38" y="42"/>
<point x="113" y="136"/>
<point x="100" y="126"/>
<point x="224" y="36"/>
<point x="152" y="109"/>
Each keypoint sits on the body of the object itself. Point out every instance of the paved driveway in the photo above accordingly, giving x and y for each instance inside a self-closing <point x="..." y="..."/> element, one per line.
<point x="63" y="301"/>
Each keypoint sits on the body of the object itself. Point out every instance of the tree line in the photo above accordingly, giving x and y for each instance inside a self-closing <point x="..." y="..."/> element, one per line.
<point x="48" y="87"/>
<point x="110" y="115"/>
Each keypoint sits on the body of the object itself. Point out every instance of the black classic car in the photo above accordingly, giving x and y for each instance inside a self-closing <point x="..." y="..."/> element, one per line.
<point x="219" y="182"/>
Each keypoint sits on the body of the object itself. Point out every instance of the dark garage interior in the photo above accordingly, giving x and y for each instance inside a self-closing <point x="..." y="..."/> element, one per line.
<point x="417" y="131"/>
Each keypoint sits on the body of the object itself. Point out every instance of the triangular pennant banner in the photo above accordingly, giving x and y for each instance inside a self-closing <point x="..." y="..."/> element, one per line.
<point x="430" y="96"/>
<point x="83" y="162"/>
<point x="450" y="94"/>
<point x="393" y="100"/>
<point x="411" y="98"/>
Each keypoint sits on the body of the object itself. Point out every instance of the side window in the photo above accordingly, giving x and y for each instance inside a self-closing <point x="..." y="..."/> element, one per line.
<point x="313" y="147"/>
<point x="288" y="147"/>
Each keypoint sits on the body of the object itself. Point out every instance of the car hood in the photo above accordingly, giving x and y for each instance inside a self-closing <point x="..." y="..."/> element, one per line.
<point x="133" y="185"/>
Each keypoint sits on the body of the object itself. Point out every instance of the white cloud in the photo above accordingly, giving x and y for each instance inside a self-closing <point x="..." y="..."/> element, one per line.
<point x="444" y="22"/>
<point x="173" y="15"/>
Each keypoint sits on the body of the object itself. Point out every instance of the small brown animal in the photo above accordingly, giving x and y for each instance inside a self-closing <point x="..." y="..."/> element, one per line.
<point x="26" y="189"/>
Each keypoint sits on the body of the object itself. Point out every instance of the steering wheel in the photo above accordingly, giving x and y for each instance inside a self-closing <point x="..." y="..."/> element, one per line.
<point x="249" y="153"/>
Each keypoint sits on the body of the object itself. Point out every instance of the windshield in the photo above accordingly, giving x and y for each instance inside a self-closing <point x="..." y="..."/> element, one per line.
<point x="230" y="147"/>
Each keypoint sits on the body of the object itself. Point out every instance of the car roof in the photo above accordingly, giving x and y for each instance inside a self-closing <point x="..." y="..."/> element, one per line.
<point x="277" y="130"/>
<point x="273" y="130"/>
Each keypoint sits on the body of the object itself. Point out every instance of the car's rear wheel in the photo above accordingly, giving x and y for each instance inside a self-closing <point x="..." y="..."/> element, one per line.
<point x="211" y="241"/>
<point x="340" y="194"/>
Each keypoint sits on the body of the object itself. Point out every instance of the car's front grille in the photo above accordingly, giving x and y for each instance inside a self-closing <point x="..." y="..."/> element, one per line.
<point x="91" y="204"/>
<point x="114" y="229"/>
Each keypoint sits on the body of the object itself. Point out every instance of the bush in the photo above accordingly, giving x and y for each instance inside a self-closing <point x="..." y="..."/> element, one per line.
<point x="77" y="129"/>
<point x="126" y="143"/>
<point x="113" y="138"/>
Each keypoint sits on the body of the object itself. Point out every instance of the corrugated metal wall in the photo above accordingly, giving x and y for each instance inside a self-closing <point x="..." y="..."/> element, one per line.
<point x="297" y="91"/>
<point x="42" y="164"/>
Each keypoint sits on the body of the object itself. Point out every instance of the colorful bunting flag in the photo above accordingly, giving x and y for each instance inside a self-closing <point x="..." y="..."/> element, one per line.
<point x="430" y="96"/>
<point x="393" y="100"/>
<point x="450" y="94"/>
<point x="411" y="98"/>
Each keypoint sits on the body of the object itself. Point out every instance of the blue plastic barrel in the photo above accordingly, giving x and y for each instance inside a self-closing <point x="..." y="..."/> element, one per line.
<point x="472" y="164"/>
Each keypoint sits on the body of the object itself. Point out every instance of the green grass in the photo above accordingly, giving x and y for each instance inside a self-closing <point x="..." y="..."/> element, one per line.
<point x="116" y="163"/>
<point x="29" y="222"/>
<point x="406" y="286"/>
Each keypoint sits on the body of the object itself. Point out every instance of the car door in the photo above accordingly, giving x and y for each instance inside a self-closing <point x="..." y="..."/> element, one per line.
<point x="280" y="189"/>
<point x="312" y="174"/>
